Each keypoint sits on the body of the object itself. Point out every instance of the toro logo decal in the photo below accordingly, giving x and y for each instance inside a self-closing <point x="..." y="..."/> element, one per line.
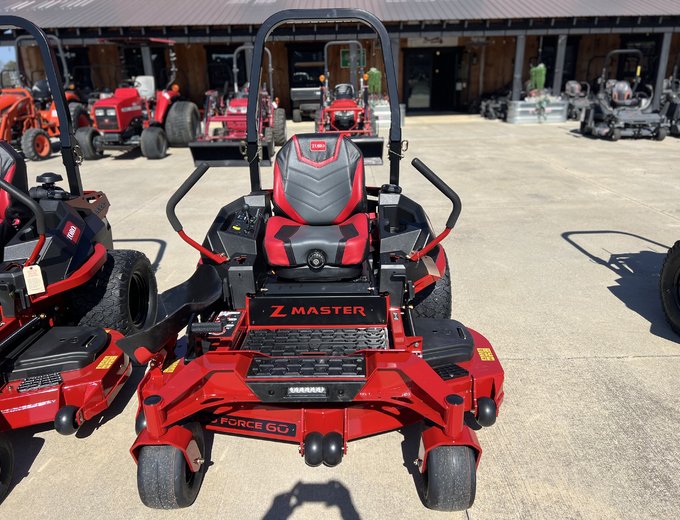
<point x="255" y="425"/>
<point x="280" y="311"/>
<point x="317" y="146"/>
<point x="71" y="232"/>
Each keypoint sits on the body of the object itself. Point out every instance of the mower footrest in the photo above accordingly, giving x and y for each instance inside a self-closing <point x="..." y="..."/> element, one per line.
<point x="328" y="342"/>
<point x="43" y="381"/>
<point x="308" y="367"/>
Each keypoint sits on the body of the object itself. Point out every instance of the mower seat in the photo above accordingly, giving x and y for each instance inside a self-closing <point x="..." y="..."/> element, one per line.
<point x="622" y="95"/>
<point x="320" y="229"/>
<point x="13" y="171"/>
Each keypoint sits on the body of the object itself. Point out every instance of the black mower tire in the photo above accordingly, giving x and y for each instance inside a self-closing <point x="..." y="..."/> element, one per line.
<point x="85" y="137"/>
<point x="182" y="123"/>
<point x="661" y="134"/>
<point x="164" y="479"/>
<point x="33" y="144"/>
<point x="669" y="286"/>
<point x="297" y="116"/>
<point x="121" y="296"/>
<point x="154" y="143"/>
<point x="78" y="111"/>
<point x="434" y="301"/>
<point x="614" y="134"/>
<point x="450" y="478"/>
<point x="6" y="465"/>
<point x="280" y="135"/>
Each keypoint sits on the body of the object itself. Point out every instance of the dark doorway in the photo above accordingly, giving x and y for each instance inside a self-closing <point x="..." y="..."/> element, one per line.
<point x="430" y="79"/>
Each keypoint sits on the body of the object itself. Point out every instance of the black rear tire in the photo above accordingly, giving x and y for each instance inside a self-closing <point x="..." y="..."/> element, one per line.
<point x="121" y="296"/>
<point x="434" y="301"/>
<point x="6" y="465"/>
<point x="164" y="479"/>
<point x="297" y="115"/>
<point x="154" y="143"/>
<point x="182" y="124"/>
<point x="669" y="285"/>
<point x="35" y="144"/>
<point x="85" y="137"/>
<point x="450" y="478"/>
<point x="280" y="136"/>
<point x="269" y="140"/>
<point x="79" y="115"/>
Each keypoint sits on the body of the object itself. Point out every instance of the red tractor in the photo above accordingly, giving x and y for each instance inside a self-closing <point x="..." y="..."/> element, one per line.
<point x="223" y="138"/>
<point x="347" y="112"/>
<point x="140" y="116"/>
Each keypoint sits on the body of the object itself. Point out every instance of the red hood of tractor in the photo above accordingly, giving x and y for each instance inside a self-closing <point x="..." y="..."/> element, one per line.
<point x="125" y="96"/>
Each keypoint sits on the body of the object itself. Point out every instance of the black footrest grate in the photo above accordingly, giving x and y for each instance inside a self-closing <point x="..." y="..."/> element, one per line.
<point x="328" y="342"/>
<point x="303" y="367"/>
<point x="35" y="382"/>
<point x="450" y="371"/>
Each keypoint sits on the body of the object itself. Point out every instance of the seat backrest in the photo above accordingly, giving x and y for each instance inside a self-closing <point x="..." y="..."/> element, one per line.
<point x="319" y="179"/>
<point x="573" y="88"/>
<point x="621" y="91"/>
<point x="13" y="171"/>
<point x="146" y="86"/>
<point x="343" y="91"/>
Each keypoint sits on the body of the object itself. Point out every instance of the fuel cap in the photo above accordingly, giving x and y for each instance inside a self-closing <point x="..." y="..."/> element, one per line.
<point x="316" y="259"/>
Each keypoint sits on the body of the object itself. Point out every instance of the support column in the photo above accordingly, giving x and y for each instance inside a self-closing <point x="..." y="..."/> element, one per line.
<point x="519" y="64"/>
<point x="661" y="70"/>
<point x="146" y="61"/>
<point x="559" y="64"/>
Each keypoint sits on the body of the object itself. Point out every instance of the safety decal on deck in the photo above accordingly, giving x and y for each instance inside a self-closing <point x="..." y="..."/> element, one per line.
<point x="171" y="368"/>
<point x="107" y="362"/>
<point x="485" y="354"/>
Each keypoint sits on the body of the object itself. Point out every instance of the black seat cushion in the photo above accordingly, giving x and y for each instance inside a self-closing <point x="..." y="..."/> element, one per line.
<point x="444" y="341"/>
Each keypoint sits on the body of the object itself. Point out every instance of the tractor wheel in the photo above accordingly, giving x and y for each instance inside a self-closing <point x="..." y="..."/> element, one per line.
<point x="164" y="479"/>
<point x="614" y="134"/>
<point x="182" y="123"/>
<point x="154" y="143"/>
<point x="450" y="478"/>
<point x="6" y="465"/>
<point x="280" y="136"/>
<point x="669" y="285"/>
<point x="79" y="116"/>
<point x="297" y="115"/>
<point x="269" y="140"/>
<point x="121" y="296"/>
<point x="661" y="134"/>
<point x="85" y="137"/>
<point x="35" y="143"/>
<point x="434" y="301"/>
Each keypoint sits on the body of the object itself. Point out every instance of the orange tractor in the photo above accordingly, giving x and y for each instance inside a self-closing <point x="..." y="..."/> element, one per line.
<point x="28" y="115"/>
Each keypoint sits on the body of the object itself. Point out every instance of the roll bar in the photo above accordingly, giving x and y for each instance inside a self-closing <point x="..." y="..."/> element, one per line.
<point x="270" y="69"/>
<point x="66" y="137"/>
<point x="56" y="42"/>
<point x="322" y="15"/>
<point x="355" y="43"/>
<point x="619" y="52"/>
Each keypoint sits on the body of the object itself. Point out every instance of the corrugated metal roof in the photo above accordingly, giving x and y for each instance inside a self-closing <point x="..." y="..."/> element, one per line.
<point x="154" y="13"/>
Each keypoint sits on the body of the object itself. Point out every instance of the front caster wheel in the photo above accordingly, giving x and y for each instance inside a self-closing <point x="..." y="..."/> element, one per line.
<point x="450" y="478"/>
<point x="164" y="479"/>
<point x="6" y="465"/>
<point x="65" y="422"/>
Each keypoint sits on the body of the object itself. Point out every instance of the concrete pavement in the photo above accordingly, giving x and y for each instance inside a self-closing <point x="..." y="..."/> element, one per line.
<point x="555" y="259"/>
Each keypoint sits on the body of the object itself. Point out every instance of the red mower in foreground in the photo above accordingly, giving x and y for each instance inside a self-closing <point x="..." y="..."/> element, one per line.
<point x="318" y="315"/>
<point x="65" y="297"/>
<point x="222" y="142"/>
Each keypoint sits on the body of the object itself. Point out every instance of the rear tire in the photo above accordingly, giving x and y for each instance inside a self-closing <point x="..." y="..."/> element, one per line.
<point x="6" y="465"/>
<point x="297" y="116"/>
<point x="36" y="145"/>
<point x="182" y="124"/>
<point x="669" y="285"/>
<point x="269" y="141"/>
<point x="121" y="296"/>
<point x="280" y="136"/>
<point x="164" y="479"/>
<point x="79" y="117"/>
<point x="450" y="478"/>
<point x="85" y="137"/>
<point x="434" y="301"/>
<point x="154" y="143"/>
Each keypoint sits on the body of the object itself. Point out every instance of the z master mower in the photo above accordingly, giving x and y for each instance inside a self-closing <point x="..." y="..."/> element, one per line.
<point x="63" y="291"/>
<point x="319" y="313"/>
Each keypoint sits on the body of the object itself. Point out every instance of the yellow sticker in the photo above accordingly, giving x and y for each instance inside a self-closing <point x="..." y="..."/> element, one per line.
<point x="171" y="368"/>
<point x="107" y="362"/>
<point x="485" y="354"/>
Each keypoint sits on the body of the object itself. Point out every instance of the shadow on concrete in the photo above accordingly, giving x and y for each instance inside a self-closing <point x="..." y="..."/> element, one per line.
<point x="26" y="447"/>
<point x="162" y="245"/>
<point x="331" y="494"/>
<point x="134" y="153"/>
<point x="638" y="283"/>
<point x="410" y="447"/>
<point x="117" y="406"/>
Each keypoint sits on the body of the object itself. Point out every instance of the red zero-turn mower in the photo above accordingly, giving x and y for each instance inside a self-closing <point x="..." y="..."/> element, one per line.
<point x="348" y="113"/>
<point x="62" y="291"/>
<point x="140" y="116"/>
<point x="222" y="142"/>
<point x="318" y="314"/>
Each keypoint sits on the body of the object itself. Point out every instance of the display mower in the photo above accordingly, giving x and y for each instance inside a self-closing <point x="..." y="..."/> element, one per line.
<point x="65" y="296"/>
<point x="318" y="315"/>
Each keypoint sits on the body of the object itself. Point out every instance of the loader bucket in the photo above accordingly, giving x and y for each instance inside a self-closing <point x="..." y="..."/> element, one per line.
<point x="224" y="152"/>
<point x="371" y="148"/>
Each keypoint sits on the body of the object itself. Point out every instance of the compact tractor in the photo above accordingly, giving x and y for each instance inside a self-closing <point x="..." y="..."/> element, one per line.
<point x="66" y="297"/>
<point x="139" y="116"/>
<point x="222" y="142"/>
<point x="622" y="108"/>
<point x="347" y="111"/>
<point x="318" y="314"/>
